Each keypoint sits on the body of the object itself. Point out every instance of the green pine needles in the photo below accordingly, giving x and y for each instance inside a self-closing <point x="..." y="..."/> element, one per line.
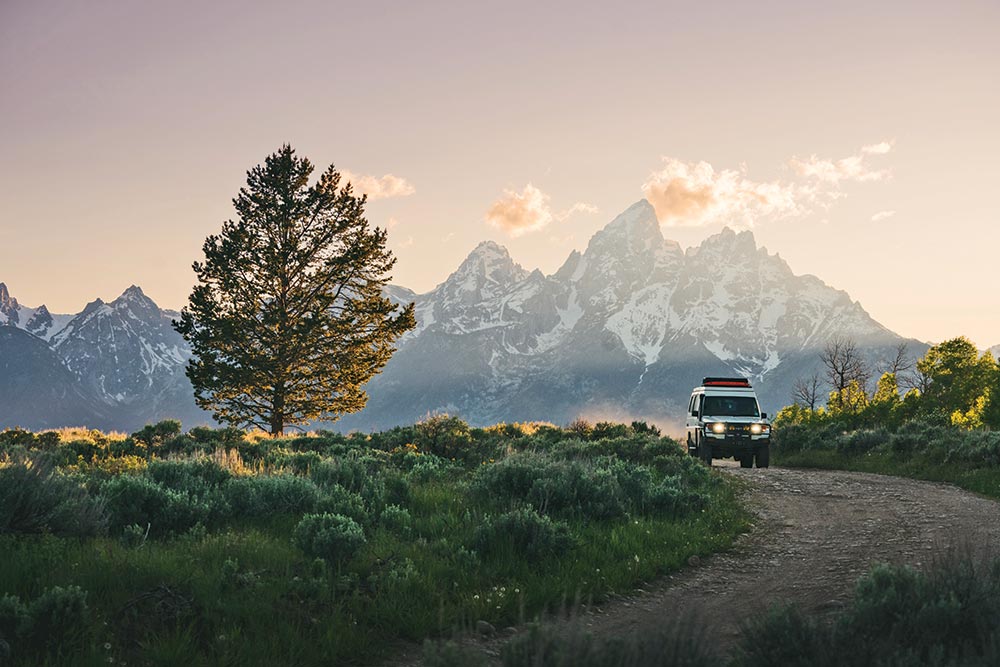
<point x="288" y="320"/>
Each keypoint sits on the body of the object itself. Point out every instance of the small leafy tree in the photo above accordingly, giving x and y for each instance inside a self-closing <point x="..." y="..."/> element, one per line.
<point x="288" y="319"/>
<point x="957" y="376"/>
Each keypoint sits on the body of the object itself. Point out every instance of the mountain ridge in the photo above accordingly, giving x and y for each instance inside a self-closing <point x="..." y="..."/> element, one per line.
<point x="623" y="328"/>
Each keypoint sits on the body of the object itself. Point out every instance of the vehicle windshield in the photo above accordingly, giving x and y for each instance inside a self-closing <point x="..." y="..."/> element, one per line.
<point x="731" y="406"/>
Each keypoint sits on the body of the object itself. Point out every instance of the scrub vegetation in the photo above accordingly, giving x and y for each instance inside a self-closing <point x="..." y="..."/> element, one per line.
<point x="946" y="427"/>
<point x="216" y="546"/>
<point x="946" y="616"/>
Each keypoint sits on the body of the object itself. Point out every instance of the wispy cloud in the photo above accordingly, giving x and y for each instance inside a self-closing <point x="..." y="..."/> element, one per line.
<point x="519" y="213"/>
<point x="880" y="148"/>
<point x="385" y="187"/>
<point x="578" y="207"/>
<point x="692" y="194"/>
<point x="695" y="193"/>
<point x="850" y="168"/>
<point x="882" y="215"/>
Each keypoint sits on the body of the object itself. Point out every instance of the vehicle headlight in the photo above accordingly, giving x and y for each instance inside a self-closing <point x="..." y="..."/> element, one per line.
<point x="757" y="429"/>
<point x="718" y="428"/>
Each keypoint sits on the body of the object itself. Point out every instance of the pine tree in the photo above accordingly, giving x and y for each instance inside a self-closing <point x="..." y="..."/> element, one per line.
<point x="288" y="319"/>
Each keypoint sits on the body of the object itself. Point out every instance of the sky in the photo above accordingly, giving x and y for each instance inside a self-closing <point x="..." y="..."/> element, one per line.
<point x="858" y="140"/>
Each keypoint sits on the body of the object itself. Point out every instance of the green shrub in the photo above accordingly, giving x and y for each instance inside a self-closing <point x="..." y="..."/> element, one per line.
<point x="350" y="473"/>
<point x="573" y="488"/>
<point x="37" y="498"/>
<point x="606" y="430"/>
<point x="134" y="536"/>
<point x="450" y="438"/>
<point x="333" y="537"/>
<point x="13" y="614"/>
<point x="597" y="488"/>
<point x="220" y="437"/>
<point x="338" y="500"/>
<point x="784" y="636"/>
<point x="260" y="495"/>
<point x="154" y="435"/>
<point x="141" y="501"/>
<point x="670" y="497"/>
<point x="522" y="533"/>
<point x="949" y="615"/>
<point x="298" y="462"/>
<point x="82" y="449"/>
<point x="12" y="437"/>
<point x="58" y="616"/>
<point x="861" y="441"/>
<point x="397" y="520"/>
<point x="194" y="477"/>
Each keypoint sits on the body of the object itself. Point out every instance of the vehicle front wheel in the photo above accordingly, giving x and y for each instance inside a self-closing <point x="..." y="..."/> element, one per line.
<point x="763" y="456"/>
<point x="746" y="461"/>
<point x="705" y="452"/>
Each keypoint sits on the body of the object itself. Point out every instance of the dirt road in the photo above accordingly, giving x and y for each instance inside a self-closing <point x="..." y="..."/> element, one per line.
<point x="816" y="532"/>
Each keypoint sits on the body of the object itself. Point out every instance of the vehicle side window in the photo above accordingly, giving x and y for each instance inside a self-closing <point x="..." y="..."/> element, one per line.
<point x="701" y="399"/>
<point x="691" y="404"/>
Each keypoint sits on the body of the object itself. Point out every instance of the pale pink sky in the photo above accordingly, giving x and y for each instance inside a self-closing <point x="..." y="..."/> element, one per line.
<point x="127" y="127"/>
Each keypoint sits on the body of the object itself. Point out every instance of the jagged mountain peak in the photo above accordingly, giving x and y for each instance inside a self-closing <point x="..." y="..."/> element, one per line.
<point x="6" y="300"/>
<point x="636" y="229"/>
<point x="8" y="307"/>
<point x="727" y="240"/>
<point x="135" y="300"/>
<point x="488" y="262"/>
<point x="94" y="305"/>
<point x="133" y="292"/>
<point x="488" y="253"/>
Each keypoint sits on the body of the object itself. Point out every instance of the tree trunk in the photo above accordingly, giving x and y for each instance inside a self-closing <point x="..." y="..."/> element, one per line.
<point x="278" y="411"/>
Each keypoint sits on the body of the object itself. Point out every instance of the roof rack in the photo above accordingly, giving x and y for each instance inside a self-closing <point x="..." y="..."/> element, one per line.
<point x="725" y="382"/>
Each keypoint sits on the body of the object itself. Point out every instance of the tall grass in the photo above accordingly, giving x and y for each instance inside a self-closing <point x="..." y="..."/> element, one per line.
<point x="221" y="550"/>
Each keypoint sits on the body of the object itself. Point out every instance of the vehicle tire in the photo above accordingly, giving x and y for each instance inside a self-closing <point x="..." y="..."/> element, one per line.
<point x="692" y="449"/>
<point x="746" y="461"/>
<point x="705" y="452"/>
<point x="763" y="456"/>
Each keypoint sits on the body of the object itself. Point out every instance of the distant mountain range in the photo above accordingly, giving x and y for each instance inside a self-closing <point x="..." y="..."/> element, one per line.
<point x="620" y="331"/>
<point x="115" y="365"/>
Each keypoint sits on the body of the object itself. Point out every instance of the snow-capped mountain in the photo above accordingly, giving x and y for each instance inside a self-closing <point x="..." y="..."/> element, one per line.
<point x="122" y="350"/>
<point x="624" y="329"/>
<point x="38" y="321"/>
<point x="124" y="356"/>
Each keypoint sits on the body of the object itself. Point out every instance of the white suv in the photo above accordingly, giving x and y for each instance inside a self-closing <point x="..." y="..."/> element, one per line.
<point x="724" y="420"/>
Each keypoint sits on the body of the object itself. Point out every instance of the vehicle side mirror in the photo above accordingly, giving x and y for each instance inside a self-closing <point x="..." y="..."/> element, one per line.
<point x="694" y="413"/>
<point x="763" y="415"/>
